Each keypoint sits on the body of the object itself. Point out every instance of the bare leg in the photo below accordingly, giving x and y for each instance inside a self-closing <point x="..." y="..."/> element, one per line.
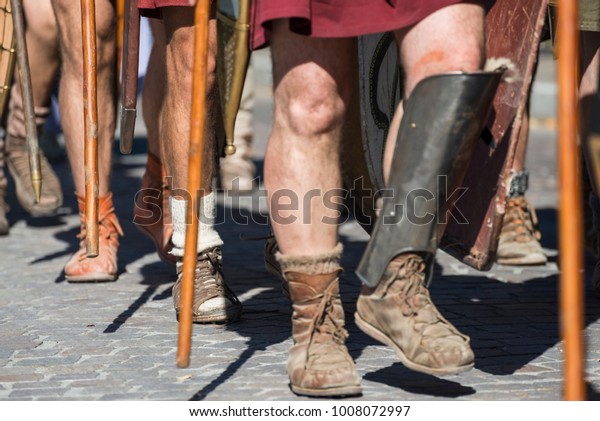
<point x="312" y="91"/>
<point x="43" y="49"/>
<point x="521" y="152"/>
<point x="519" y="238"/>
<point x="448" y="40"/>
<point x="41" y="35"/>
<point x="154" y="90"/>
<point x="214" y="302"/>
<point x="310" y="102"/>
<point x="175" y="120"/>
<point x="151" y="212"/>
<point x="68" y="14"/>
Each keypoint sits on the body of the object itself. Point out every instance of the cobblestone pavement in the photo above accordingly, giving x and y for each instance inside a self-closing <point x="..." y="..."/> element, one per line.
<point x="117" y="341"/>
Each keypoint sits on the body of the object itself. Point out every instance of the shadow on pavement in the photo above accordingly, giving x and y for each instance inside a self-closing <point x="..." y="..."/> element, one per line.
<point x="401" y="377"/>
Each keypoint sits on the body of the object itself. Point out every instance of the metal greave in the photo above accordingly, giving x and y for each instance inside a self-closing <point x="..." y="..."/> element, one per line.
<point x="443" y="120"/>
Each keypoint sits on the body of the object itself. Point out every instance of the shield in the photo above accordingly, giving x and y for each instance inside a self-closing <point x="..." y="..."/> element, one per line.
<point x="378" y="80"/>
<point x="513" y="32"/>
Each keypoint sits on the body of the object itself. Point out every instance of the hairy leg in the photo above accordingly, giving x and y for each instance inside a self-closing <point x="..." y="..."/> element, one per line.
<point x="588" y="88"/>
<point x="42" y="46"/>
<point x="154" y="89"/>
<point x="41" y="35"/>
<point x="312" y="91"/>
<point x="450" y="39"/>
<point x="175" y="119"/>
<point x="68" y="16"/>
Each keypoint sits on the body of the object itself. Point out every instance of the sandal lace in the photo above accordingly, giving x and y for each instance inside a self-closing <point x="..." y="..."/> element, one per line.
<point x="324" y="326"/>
<point x="409" y="282"/>
<point x="520" y="220"/>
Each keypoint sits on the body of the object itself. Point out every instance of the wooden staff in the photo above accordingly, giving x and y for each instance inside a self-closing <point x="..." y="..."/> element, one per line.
<point x="120" y="25"/>
<point x="570" y="215"/>
<point x="194" y="180"/>
<point x="90" y="118"/>
<point x="33" y="145"/>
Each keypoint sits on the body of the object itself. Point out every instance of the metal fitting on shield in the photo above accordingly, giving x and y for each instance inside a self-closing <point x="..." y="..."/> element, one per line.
<point x="518" y="184"/>
<point x="443" y="120"/>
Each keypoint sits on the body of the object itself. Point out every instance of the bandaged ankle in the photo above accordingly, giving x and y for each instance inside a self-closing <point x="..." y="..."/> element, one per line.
<point x="316" y="264"/>
<point x="208" y="238"/>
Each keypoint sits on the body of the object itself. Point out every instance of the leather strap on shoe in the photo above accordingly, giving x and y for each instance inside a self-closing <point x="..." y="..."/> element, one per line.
<point x="106" y="216"/>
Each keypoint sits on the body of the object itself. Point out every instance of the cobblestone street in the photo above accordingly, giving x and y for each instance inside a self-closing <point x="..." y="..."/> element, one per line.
<point x="117" y="341"/>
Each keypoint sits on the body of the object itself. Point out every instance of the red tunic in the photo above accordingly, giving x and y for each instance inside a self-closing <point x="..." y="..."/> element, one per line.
<point x="155" y="4"/>
<point x="325" y="18"/>
<point x="339" y="18"/>
<point x="151" y="8"/>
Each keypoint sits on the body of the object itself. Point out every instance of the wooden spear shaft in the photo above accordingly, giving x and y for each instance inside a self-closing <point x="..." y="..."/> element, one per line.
<point x="194" y="179"/>
<point x="120" y="26"/>
<point x="570" y="215"/>
<point x="27" y="95"/>
<point x="90" y="118"/>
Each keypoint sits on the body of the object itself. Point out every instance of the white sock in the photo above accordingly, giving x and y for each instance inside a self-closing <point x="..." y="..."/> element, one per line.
<point x="208" y="238"/>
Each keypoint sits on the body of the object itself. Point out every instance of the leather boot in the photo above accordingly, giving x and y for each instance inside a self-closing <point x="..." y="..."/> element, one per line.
<point x="213" y="301"/>
<point x="152" y="213"/>
<point x="399" y="313"/>
<point x="102" y="268"/>
<point x="17" y="159"/>
<point x="318" y="362"/>
<point x="519" y="239"/>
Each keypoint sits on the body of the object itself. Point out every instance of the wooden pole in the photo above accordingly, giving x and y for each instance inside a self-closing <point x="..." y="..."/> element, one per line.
<point x="33" y="145"/>
<point x="570" y="215"/>
<point x="194" y="180"/>
<point x="90" y="118"/>
<point x="120" y="25"/>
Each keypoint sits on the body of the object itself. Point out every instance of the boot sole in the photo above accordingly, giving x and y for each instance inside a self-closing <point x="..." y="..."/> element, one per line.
<point x="331" y="392"/>
<point x="381" y="337"/>
<point x="21" y="197"/>
<point x="216" y="318"/>
<point x="95" y="277"/>
<point x="530" y="260"/>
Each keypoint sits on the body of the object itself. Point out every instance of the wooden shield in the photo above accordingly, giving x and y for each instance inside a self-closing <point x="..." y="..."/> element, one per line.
<point x="513" y="30"/>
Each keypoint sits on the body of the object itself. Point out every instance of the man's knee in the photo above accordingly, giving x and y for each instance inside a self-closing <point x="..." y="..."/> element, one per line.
<point x="69" y="20"/>
<point x="450" y="39"/>
<point x="180" y="56"/>
<point x="309" y="103"/>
